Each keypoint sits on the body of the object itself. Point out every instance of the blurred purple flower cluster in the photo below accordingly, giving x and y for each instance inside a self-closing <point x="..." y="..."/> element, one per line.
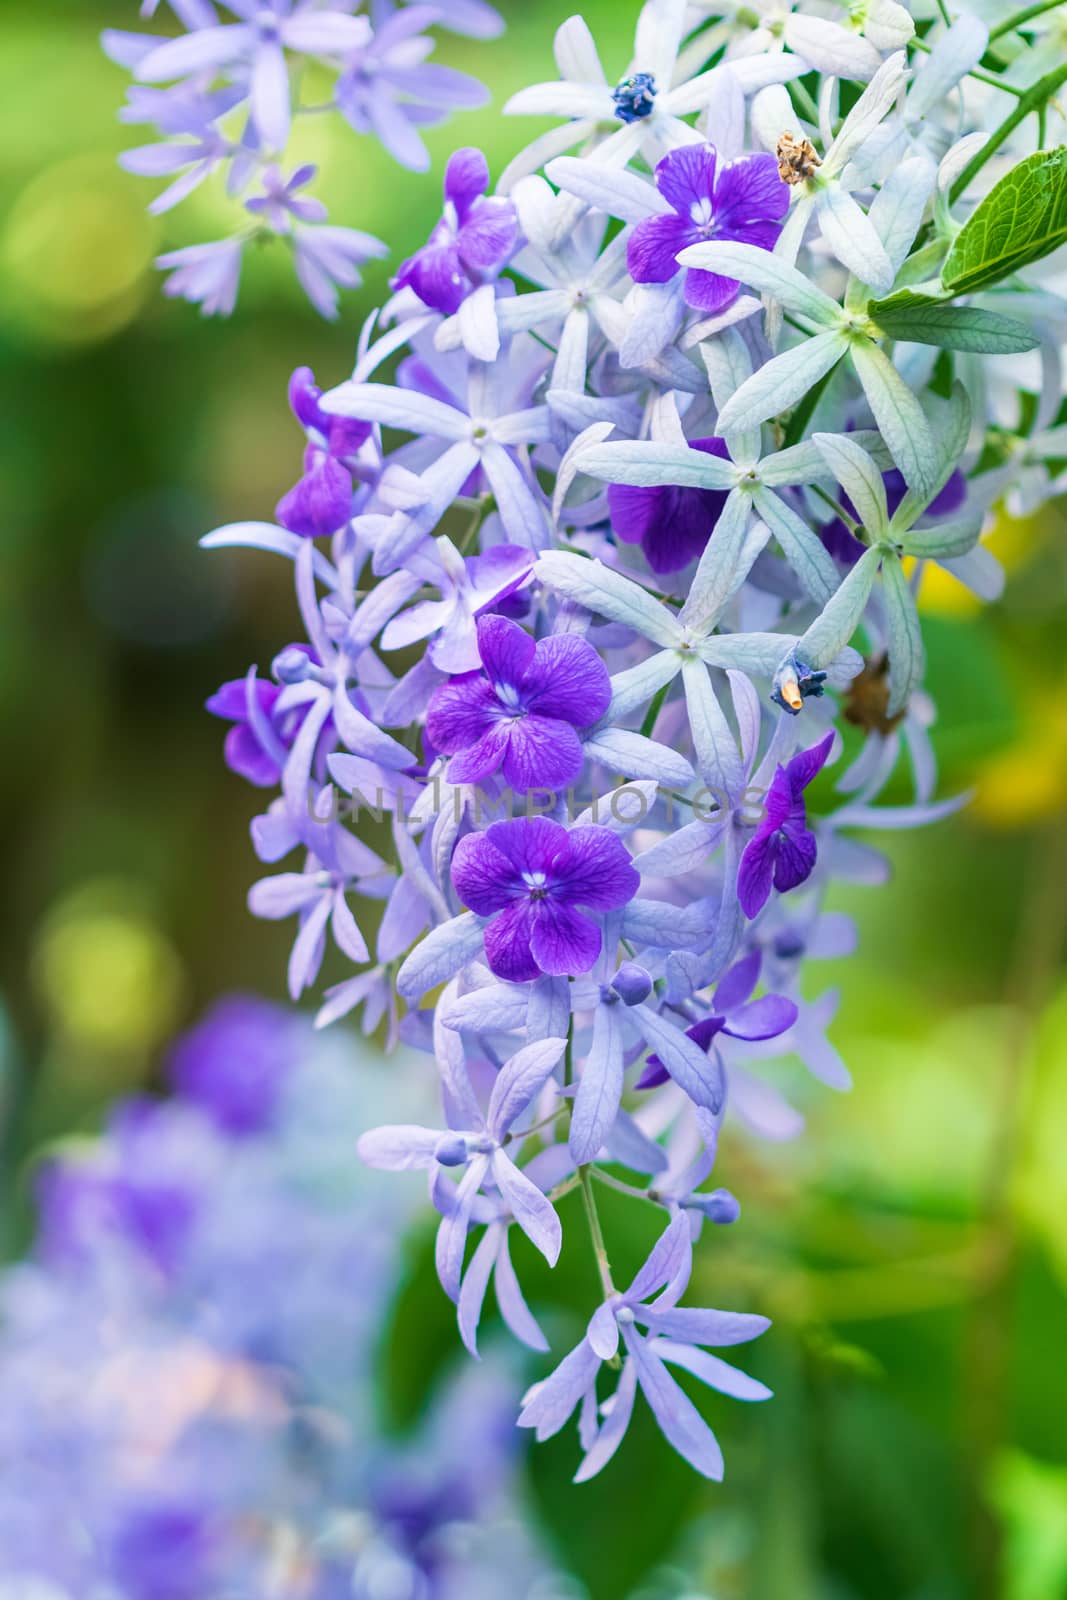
<point x="186" y="1359"/>
<point x="223" y="97"/>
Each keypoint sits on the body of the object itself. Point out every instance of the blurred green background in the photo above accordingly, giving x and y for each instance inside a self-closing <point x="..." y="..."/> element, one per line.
<point x="912" y="1247"/>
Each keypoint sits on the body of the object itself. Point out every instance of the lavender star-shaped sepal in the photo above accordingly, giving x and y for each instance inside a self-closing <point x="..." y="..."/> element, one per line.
<point x="782" y="850"/>
<point x="846" y="548"/>
<point x="743" y="200"/>
<point x="671" y="523"/>
<point x="322" y="500"/>
<point x="474" y="237"/>
<point x="519" y="715"/>
<point x="733" y="1013"/>
<point x="530" y="876"/>
<point x="673" y="1335"/>
<point x="477" y="1147"/>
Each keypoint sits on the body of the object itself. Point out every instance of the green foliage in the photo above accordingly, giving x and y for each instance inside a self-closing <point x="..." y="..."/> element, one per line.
<point x="923" y="319"/>
<point x="1023" y="218"/>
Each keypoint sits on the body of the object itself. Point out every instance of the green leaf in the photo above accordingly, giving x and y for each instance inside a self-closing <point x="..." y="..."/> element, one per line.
<point x="906" y="656"/>
<point x="1022" y="219"/>
<point x="928" y="321"/>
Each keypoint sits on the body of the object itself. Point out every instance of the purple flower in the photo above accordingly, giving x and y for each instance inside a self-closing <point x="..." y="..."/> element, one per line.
<point x="744" y="201"/>
<point x="529" y="876"/>
<point x="475" y="1141"/>
<point x="733" y="1013"/>
<point x="520" y="714"/>
<point x="206" y="275"/>
<point x="672" y="524"/>
<point x="235" y="1062"/>
<point x="326" y="256"/>
<point x="388" y="88"/>
<point x="281" y="199"/>
<point x="846" y="548"/>
<point x="673" y="1335"/>
<point x="257" y="47"/>
<point x="139" y="1195"/>
<point x="782" y="849"/>
<point x="469" y="585"/>
<point x="473" y="239"/>
<point x="322" y="500"/>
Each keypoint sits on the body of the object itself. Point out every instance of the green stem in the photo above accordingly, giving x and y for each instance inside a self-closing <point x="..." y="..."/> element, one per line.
<point x="945" y="18"/>
<point x="1021" y="17"/>
<point x="838" y="509"/>
<point x="596" y="1232"/>
<point x="982" y="77"/>
<point x="622" y="1188"/>
<point x="1036" y="96"/>
<point x="653" y="711"/>
<point x="807" y="104"/>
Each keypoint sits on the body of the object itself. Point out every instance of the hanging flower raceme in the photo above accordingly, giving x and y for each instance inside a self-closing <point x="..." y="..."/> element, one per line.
<point x="644" y="470"/>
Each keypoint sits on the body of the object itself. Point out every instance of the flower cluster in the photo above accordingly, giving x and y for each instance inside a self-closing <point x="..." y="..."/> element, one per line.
<point x="186" y="1362"/>
<point x="222" y="98"/>
<point x="673" y="431"/>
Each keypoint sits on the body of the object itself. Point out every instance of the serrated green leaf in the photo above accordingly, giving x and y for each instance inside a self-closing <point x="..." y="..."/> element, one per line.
<point x="1022" y="219"/>
<point x="928" y="321"/>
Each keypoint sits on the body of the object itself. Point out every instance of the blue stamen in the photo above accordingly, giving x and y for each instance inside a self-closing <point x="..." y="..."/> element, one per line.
<point x="635" y="97"/>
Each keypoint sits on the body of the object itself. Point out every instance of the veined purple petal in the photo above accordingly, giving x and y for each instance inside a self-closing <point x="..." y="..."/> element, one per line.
<point x="567" y="679"/>
<point x="460" y="712"/>
<point x="321" y="502"/>
<point x="488" y="235"/>
<point x="508" y="940"/>
<point x="707" y="291"/>
<point x="485" y="878"/>
<point x="794" y="857"/>
<point x="686" y="178"/>
<point x="507" y="651"/>
<point x="541" y="753"/>
<point x="482" y="758"/>
<point x="563" y="941"/>
<point x="595" y="869"/>
<point x="531" y="844"/>
<point x="804" y="767"/>
<point x="653" y="246"/>
<point x="749" y="191"/>
<point x="466" y="178"/>
<point x="756" y="874"/>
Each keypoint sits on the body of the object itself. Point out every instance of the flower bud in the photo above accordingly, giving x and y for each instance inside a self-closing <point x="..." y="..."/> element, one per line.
<point x="632" y="984"/>
<point x="451" y="1150"/>
<point x="292" y="665"/>
<point x="720" y="1206"/>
